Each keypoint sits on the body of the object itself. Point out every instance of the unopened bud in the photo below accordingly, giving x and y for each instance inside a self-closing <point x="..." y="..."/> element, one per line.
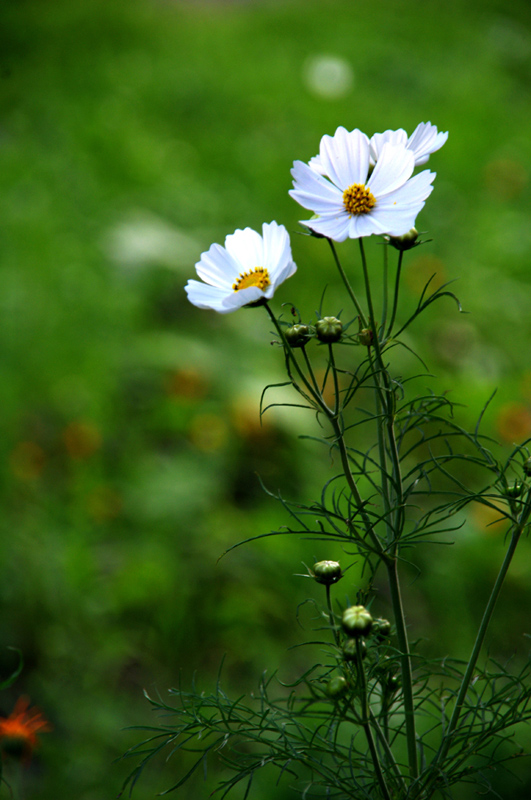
<point x="329" y="329"/>
<point x="337" y="687"/>
<point x="406" y="241"/>
<point x="356" y="621"/>
<point x="297" y="335"/>
<point x="381" y="628"/>
<point x="515" y="490"/>
<point x="350" y="649"/>
<point x="527" y="467"/>
<point x="365" y="336"/>
<point x="327" y="572"/>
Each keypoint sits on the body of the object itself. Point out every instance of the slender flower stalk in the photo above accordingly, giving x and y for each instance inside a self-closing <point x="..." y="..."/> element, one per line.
<point x="347" y="284"/>
<point x="516" y="534"/>
<point x="366" y="724"/>
<point x="395" y="295"/>
<point x="385" y="298"/>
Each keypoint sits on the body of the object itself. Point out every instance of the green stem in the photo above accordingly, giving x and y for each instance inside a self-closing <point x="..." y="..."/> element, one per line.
<point x="383" y="456"/>
<point x="336" y="383"/>
<point x="310" y="370"/>
<point x="405" y="664"/>
<point x="365" y="722"/>
<point x="291" y="357"/>
<point x="372" y="321"/>
<point x="385" y="298"/>
<point x="383" y="738"/>
<point x="480" y="638"/>
<point x="395" y="298"/>
<point x="345" y="463"/>
<point x="385" y="404"/>
<point x="331" y="615"/>
<point x="347" y="285"/>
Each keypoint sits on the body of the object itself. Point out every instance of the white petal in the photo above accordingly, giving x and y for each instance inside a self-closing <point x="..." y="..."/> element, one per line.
<point x="394" y="166"/>
<point x="217" y="268"/>
<point x="281" y="275"/>
<point x="277" y="249"/>
<point x="316" y="164"/>
<point x="398" y="222"/>
<point x="425" y="140"/>
<point x="345" y="157"/>
<point x="313" y="191"/>
<point x="333" y="226"/>
<point x="398" y="137"/>
<point x="413" y="193"/>
<point x="247" y="248"/>
<point x="242" y="298"/>
<point x="366" y="225"/>
<point x="204" y="296"/>
<point x="308" y="181"/>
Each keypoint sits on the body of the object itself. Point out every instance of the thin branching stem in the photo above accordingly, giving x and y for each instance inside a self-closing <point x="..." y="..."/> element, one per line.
<point x="291" y="358"/>
<point x="385" y="292"/>
<point x="385" y="407"/>
<point x="331" y="615"/>
<point x="480" y="638"/>
<point x="337" y="403"/>
<point x="366" y="723"/>
<point x="395" y="296"/>
<point x="310" y="370"/>
<point x="348" y="287"/>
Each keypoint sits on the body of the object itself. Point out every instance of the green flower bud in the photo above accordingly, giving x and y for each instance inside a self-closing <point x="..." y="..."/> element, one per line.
<point x="337" y="687"/>
<point x="406" y="241"/>
<point x="365" y="336"/>
<point x="515" y="490"/>
<point x="527" y="467"/>
<point x="297" y="335"/>
<point x="356" y="621"/>
<point x="329" y="329"/>
<point x="350" y="650"/>
<point x="381" y="628"/>
<point x="393" y="684"/>
<point x="327" y="572"/>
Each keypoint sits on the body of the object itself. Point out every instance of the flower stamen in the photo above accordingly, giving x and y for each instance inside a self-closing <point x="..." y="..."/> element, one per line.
<point x="357" y="199"/>
<point x="259" y="276"/>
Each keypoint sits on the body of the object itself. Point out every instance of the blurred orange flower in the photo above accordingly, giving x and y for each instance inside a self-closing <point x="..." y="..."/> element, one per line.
<point x="514" y="422"/>
<point x="81" y="438"/>
<point x="18" y="732"/>
<point x="27" y="460"/>
<point x="187" y="383"/>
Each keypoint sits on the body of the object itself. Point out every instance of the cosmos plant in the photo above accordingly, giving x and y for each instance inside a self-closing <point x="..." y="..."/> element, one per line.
<point x="373" y="718"/>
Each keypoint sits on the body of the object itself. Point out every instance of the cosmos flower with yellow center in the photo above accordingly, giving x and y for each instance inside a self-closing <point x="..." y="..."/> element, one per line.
<point x="244" y="272"/>
<point x="350" y="198"/>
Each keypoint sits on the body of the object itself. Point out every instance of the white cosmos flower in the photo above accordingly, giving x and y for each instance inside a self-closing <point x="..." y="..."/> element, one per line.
<point x="350" y="203"/>
<point x="424" y="141"/>
<point x="248" y="269"/>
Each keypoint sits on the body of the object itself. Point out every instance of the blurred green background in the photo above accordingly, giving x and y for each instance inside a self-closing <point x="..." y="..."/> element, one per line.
<point x="133" y="134"/>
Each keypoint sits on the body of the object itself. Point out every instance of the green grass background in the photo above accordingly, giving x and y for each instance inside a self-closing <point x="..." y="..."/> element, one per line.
<point x="133" y="134"/>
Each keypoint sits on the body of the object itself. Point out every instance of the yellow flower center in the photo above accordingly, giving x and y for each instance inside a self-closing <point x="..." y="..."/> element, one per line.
<point x="259" y="276"/>
<point x="357" y="199"/>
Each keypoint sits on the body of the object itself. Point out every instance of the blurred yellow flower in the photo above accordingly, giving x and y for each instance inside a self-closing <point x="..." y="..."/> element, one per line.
<point x="208" y="432"/>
